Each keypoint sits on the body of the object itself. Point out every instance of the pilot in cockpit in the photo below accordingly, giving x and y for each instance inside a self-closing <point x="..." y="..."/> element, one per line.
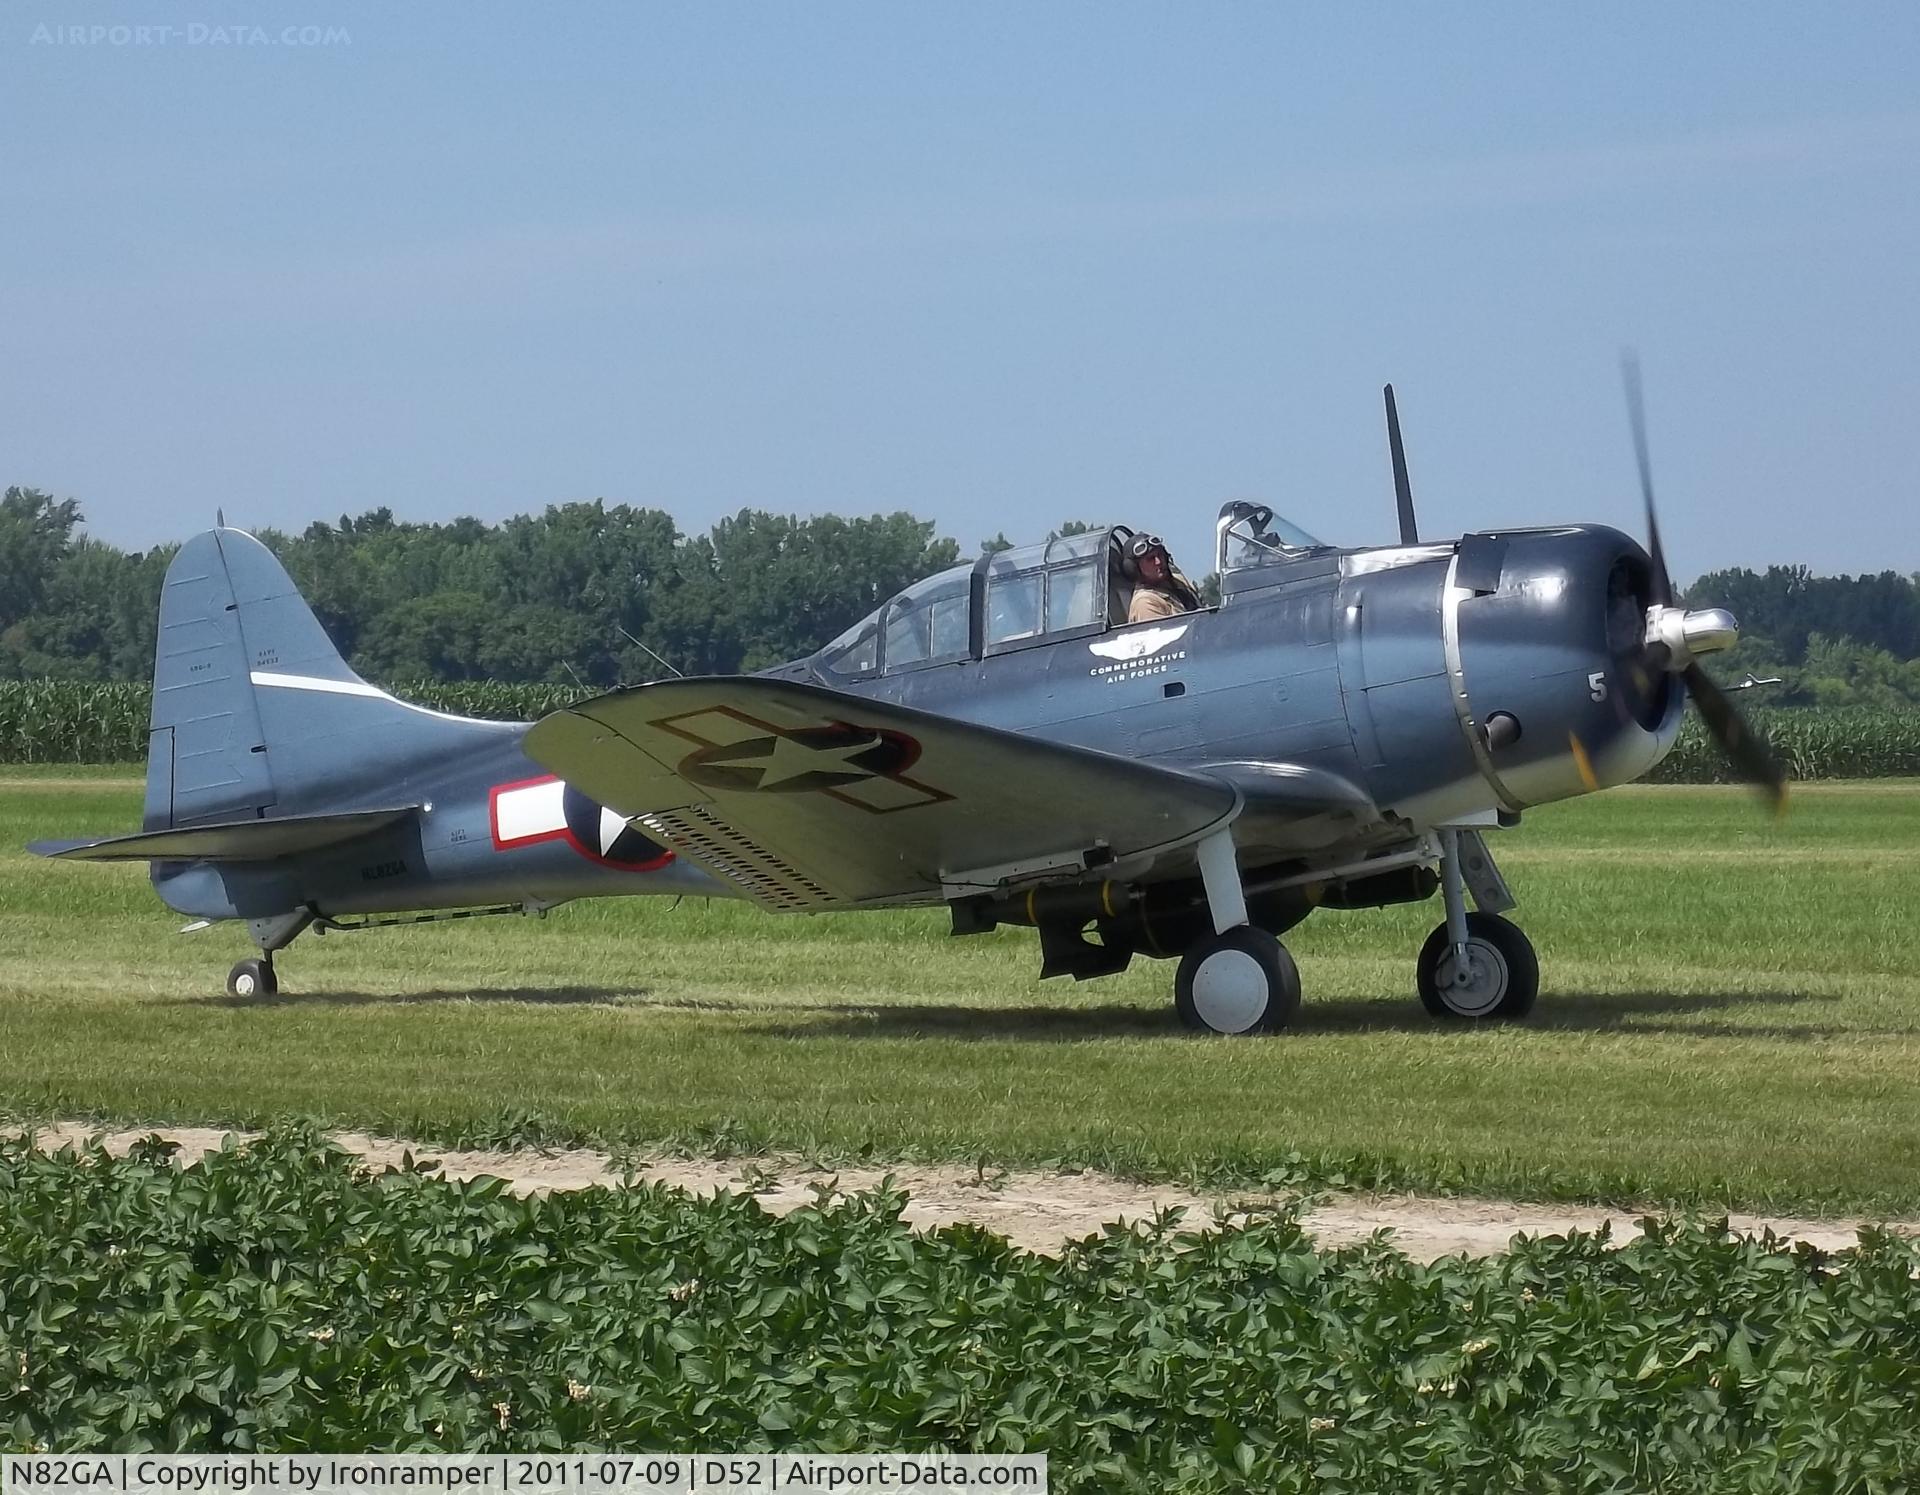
<point x="1159" y="590"/>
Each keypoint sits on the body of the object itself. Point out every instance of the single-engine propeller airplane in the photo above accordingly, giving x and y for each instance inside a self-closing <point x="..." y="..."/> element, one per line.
<point x="1337" y="731"/>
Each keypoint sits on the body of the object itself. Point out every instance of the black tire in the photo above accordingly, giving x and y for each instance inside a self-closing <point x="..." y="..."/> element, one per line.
<point x="1511" y="979"/>
<point x="1247" y="984"/>
<point x="252" y="978"/>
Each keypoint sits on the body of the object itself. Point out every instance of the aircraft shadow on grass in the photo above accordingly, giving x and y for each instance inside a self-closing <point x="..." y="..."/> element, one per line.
<point x="1637" y="1012"/>
<point x="1626" y="1012"/>
<point x="1672" y="1012"/>
<point x="1598" y="1012"/>
<point x="788" y="1019"/>
<point x="534" y="996"/>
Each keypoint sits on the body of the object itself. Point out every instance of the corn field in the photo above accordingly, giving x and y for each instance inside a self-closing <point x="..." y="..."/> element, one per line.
<point x="65" y="721"/>
<point x="1815" y="742"/>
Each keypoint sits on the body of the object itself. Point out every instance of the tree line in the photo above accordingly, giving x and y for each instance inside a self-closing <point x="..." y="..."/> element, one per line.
<point x="586" y="593"/>
<point x="1831" y="640"/>
<point x="595" y="594"/>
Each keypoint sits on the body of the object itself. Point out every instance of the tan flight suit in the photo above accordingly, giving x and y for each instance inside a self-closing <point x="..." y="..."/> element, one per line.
<point x="1149" y="603"/>
<point x="1164" y="601"/>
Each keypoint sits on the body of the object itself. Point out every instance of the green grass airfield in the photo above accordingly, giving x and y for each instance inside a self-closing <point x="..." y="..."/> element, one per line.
<point x="1729" y="1016"/>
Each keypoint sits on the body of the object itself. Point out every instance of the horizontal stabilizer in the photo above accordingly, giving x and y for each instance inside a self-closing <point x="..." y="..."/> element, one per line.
<point x="229" y="841"/>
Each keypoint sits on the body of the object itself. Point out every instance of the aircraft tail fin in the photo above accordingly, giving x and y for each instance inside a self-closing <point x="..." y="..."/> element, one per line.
<point x="255" y="713"/>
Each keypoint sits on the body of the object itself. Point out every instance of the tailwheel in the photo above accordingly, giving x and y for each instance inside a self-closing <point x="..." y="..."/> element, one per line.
<point x="1499" y="979"/>
<point x="253" y="978"/>
<point x="1239" y="982"/>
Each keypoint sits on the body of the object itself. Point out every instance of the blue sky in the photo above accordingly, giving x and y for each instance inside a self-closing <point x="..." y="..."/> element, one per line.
<point x="1001" y="265"/>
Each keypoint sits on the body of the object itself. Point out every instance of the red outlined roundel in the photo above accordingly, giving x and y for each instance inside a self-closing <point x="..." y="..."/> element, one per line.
<point x="530" y="811"/>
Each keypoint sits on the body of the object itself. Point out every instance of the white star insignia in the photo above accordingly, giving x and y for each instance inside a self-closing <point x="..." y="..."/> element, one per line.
<point x="793" y="759"/>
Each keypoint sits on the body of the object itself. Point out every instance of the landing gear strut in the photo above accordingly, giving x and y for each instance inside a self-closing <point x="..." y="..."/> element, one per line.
<point x="1239" y="979"/>
<point x="1475" y="967"/>
<point x="256" y="978"/>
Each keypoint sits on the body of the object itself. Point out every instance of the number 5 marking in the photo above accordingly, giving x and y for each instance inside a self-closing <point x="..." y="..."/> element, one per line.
<point x="1597" y="685"/>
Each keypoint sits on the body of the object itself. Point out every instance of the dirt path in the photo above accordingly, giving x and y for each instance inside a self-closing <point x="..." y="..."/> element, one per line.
<point x="1039" y="1211"/>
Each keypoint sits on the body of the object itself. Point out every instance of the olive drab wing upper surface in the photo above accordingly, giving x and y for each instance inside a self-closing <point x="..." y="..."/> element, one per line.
<point x="811" y="798"/>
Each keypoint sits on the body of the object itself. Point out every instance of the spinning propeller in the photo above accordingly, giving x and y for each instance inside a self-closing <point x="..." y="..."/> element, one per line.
<point x="1674" y="637"/>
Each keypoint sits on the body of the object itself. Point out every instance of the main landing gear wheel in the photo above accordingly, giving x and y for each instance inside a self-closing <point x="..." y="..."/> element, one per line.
<point x="253" y="978"/>
<point x="1501" y="979"/>
<point x="1240" y="982"/>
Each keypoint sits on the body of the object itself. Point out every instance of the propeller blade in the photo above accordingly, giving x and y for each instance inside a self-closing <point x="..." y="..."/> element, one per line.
<point x="1402" y="488"/>
<point x="1637" y="417"/>
<point x="1745" y="748"/>
<point x="1582" y="761"/>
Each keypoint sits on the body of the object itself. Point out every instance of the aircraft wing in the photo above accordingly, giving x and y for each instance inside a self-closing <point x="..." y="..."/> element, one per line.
<point x="813" y="799"/>
<point x="1291" y="808"/>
